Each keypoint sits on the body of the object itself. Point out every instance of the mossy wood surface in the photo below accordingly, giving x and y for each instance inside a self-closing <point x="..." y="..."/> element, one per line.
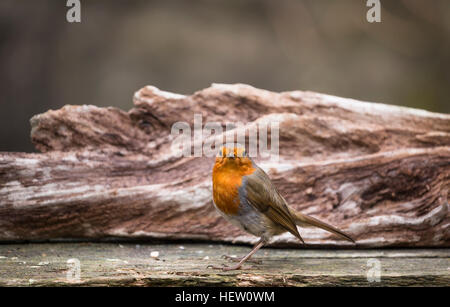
<point x="126" y="264"/>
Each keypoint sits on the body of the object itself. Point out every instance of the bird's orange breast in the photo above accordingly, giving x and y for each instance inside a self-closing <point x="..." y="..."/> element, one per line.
<point x="227" y="179"/>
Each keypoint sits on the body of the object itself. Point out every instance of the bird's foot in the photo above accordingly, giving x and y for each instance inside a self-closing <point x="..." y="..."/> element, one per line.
<point x="225" y="267"/>
<point x="237" y="259"/>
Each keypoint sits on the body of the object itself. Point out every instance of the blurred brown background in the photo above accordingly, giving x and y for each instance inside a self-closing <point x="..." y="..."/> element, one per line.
<point x="184" y="46"/>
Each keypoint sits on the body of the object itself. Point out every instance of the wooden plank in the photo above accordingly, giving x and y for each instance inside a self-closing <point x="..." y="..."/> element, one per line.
<point x="131" y="264"/>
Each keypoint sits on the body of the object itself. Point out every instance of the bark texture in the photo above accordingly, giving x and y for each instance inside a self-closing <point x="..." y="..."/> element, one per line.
<point x="379" y="172"/>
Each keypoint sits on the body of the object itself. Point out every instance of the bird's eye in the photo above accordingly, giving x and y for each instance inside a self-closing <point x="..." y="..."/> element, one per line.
<point x="221" y="153"/>
<point x="240" y="153"/>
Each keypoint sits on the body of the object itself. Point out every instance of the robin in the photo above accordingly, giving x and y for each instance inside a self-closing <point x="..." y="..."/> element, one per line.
<point x="244" y="195"/>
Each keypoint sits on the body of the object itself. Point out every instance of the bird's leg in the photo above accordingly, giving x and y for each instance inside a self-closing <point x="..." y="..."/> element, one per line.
<point x="238" y="259"/>
<point x="239" y="265"/>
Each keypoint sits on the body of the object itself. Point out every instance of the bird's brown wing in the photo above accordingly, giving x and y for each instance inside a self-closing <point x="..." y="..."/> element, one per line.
<point x="262" y="194"/>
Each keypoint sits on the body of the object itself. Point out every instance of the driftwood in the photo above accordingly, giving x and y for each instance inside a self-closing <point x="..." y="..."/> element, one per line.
<point x="379" y="172"/>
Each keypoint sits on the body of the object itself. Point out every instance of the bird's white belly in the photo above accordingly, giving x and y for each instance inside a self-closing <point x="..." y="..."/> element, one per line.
<point x="248" y="219"/>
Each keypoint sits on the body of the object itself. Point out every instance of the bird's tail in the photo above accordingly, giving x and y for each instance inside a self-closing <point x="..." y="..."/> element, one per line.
<point x="304" y="220"/>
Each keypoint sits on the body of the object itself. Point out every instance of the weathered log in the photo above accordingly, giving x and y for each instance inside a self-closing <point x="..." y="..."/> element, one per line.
<point x="379" y="172"/>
